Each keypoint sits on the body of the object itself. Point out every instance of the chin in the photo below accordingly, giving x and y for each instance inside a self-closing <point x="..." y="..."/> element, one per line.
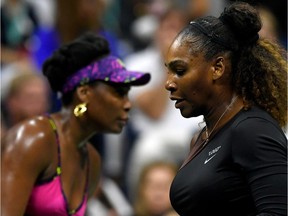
<point x="190" y="113"/>
<point x="116" y="130"/>
<point x="185" y="114"/>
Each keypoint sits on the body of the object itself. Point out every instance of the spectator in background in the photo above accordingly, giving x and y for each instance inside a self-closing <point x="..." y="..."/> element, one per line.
<point x="75" y="17"/>
<point x="109" y="200"/>
<point x="277" y="10"/>
<point x="143" y="27"/>
<point x="270" y="25"/>
<point x="152" y="58"/>
<point x="166" y="23"/>
<point x="18" y="24"/>
<point x="3" y="128"/>
<point x="72" y="19"/>
<point x="152" y="195"/>
<point x="24" y="94"/>
<point x="200" y="8"/>
<point x="154" y="121"/>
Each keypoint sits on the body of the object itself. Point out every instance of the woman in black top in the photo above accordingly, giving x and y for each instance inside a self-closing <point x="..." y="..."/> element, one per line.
<point x="219" y="68"/>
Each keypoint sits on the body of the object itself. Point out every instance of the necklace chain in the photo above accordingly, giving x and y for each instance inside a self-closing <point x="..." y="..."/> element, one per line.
<point x="222" y="115"/>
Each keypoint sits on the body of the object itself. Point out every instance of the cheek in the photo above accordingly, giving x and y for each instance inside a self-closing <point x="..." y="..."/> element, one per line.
<point x="106" y="111"/>
<point x="190" y="87"/>
<point x="195" y="91"/>
<point x="195" y="85"/>
<point x="104" y="108"/>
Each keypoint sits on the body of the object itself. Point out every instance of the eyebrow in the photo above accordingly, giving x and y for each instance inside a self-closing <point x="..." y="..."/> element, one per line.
<point x="174" y="63"/>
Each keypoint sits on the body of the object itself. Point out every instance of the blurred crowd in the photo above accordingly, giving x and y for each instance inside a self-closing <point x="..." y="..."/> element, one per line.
<point x="140" y="163"/>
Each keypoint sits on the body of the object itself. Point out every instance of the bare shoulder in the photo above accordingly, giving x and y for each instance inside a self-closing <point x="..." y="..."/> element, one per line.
<point x="26" y="154"/>
<point x="30" y="139"/>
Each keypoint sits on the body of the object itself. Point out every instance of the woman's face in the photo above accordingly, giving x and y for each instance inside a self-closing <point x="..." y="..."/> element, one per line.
<point x="189" y="80"/>
<point x="108" y="106"/>
<point x="156" y="189"/>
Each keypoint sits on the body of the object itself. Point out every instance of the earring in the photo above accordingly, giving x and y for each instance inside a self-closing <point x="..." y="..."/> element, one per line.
<point x="80" y="109"/>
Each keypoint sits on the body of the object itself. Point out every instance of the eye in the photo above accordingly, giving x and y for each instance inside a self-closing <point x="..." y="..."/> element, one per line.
<point x="180" y="71"/>
<point x="178" y="67"/>
<point x="122" y="91"/>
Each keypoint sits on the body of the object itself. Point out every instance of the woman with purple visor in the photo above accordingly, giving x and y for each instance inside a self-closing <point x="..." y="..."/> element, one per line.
<point x="49" y="168"/>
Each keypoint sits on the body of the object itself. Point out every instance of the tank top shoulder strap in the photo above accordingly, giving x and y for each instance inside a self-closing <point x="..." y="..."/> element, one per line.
<point x="87" y="174"/>
<point x="85" y="194"/>
<point x="54" y="128"/>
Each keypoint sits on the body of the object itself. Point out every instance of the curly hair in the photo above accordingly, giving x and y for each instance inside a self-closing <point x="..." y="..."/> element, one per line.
<point x="262" y="79"/>
<point x="71" y="57"/>
<point x="259" y="66"/>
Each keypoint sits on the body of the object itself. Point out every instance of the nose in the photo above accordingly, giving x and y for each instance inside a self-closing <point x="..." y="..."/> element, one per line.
<point x="127" y="104"/>
<point x="170" y="85"/>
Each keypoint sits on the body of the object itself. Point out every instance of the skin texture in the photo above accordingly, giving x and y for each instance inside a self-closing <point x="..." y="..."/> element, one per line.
<point x="29" y="150"/>
<point x="198" y="86"/>
<point x="114" y="109"/>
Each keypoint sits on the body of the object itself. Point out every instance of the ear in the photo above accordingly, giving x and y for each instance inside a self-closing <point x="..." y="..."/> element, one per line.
<point x="82" y="93"/>
<point x="219" y="67"/>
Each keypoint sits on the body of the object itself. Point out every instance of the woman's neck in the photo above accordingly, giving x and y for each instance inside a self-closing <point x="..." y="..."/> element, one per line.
<point x="72" y="129"/>
<point x="222" y="114"/>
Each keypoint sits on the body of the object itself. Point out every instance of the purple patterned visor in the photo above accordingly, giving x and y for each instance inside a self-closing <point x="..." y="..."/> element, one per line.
<point x="109" y="69"/>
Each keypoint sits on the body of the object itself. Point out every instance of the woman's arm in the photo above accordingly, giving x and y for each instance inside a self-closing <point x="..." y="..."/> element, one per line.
<point x="25" y="154"/>
<point x="260" y="148"/>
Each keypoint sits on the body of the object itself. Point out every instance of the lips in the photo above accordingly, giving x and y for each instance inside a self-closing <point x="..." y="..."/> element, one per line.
<point x="123" y="121"/>
<point x="178" y="102"/>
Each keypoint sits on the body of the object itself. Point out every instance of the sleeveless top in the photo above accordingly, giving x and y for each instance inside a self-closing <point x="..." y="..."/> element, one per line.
<point x="48" y="198"/>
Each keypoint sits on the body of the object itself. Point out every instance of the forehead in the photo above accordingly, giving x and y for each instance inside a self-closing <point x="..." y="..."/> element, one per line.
<point x="181" y="55"/>
<point x="177" y="51"/>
